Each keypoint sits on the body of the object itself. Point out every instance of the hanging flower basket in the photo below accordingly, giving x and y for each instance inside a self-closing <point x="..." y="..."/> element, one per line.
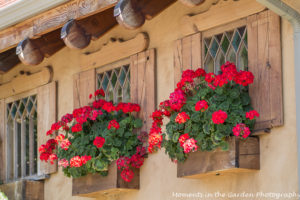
<point x="206" y="111"/>
<point x="98" y="146"/>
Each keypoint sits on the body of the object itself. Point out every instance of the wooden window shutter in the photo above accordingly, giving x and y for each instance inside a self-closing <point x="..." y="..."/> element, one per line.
<point x="84" y="84"/>
<point x="2" y="140"/>
<point x="46" y="111"/>
<point x="264" y="52"/>
<point x="142" y="84"/>
<point x="187" y="55"/>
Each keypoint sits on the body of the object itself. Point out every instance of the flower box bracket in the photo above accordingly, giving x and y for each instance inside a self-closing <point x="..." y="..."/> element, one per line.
<point x="95" y="185"/>
<point x="242" y="156"/>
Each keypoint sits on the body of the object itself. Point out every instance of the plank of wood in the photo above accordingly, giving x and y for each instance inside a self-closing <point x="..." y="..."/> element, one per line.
<point x="23" y="148"/>
<point x="8" y="60"/>
<point x="31" y="146"/>
<point x="219" y="14"/>
<point x="94" y="185"/>
<point x="51" y="20"/>
<point x="46" y="111"/>
<point x="16" y="153"/>
<point x="2" y="140"/>
<point x="84" y="85"/>
<point x="113" y="51"/>
<point x="177" y="61"/>
<point x="24" y="82"/>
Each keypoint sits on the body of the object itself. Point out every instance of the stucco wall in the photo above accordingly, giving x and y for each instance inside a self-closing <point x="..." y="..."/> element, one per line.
<point x="158" y="175"/>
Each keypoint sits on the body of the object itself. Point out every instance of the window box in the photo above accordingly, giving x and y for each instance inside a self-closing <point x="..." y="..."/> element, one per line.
<point x="24" y="190"/>
<point x="242" y="156"/>
<point x="95" y="185"/>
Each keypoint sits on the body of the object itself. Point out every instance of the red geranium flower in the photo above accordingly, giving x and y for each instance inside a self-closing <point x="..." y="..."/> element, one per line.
<point x="100" y="92"/>
<point x="252" y="114"/>
<point x="241" y="130"/>
<point x="65" y="144"/>
<point x="99" y="141"/>
<point x="219" y="117"/>
<point x="127" y="175"/>
<point x="77" y="128"/>
<point x="76" y="162"/>
<point x="201" y="105"/>
<point x="183" y="138"/>
<point x="182" y="117"/>
<point x="113" y="123"/>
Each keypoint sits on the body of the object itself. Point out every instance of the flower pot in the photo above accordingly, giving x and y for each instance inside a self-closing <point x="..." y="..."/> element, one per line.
<point x="95" y="185"/>
<point x="242" y="156"/>
<point x="24" y="190"/>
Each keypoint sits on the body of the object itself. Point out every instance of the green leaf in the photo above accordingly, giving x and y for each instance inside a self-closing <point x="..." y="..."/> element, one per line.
<point x="175" y="137"/>
<point x="138" y="123"/>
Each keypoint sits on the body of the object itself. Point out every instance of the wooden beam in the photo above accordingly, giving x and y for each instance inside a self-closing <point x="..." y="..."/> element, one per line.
<point x="29" y="53"/>
<point x="152" y="8"/>
<point x="25" y="82"/>
<point x="218" y="14"/>
<point x="192" y="3"/>
<point x="8" y="60"/>
<point x="74" y="36"/>
<point x="51" y="20"/>
<point x="114" y="50"/>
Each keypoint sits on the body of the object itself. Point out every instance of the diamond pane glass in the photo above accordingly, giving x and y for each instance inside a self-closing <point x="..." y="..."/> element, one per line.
<point x="227" y="46"/>
<point x="116" y="84"/>
<point x="21" y="138"/>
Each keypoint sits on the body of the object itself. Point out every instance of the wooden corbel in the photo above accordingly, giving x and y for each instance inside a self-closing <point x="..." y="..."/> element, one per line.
<point x="29" y="53"/>
<point x="25" y="81"/>
<point x="74" y="36"/>
<point x="113" y="50"/>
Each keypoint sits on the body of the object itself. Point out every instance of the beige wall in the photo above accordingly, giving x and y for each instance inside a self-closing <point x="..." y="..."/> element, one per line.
<point x="158" y="175"/>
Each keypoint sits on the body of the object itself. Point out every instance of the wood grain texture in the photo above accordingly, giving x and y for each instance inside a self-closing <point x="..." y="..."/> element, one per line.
<point x="152" y="8"/>
<point x="241" y="156"/>
<point x="187" y="55"/>
<point x="84" y="85"/>
<point x="51" y="20"/>
<point x="2" y="140"/>
<point x="29" y="53"/>
<point x="46" y="111"/>
<point x="218" y="14"/>
<point x="24" y="82"/>
<point x="265" y="63"/>
<point x="8" y="60"/>
<point x="113" y="51"/>
<point x="95" y="185"/>
<point x="142" y="81"/>
<point x="20" y="190"/>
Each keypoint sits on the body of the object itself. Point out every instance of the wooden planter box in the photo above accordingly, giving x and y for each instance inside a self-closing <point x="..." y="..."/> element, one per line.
<point x="24" y="190"/>
<point x="95" y="185"/>
<point x="242" y="156"/>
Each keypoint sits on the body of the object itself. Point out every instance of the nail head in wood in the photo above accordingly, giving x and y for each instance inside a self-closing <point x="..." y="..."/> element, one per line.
<point x="29" y="53"/>
<point x="128" y="14"/>
<point x="74" y="36"/>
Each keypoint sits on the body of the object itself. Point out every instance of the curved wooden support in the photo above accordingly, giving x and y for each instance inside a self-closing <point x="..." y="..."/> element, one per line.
<point x="29" y="53"/>
<point x="192" y="3"/>
<point x="128" y="14"/>
<point x="74" y="35"/>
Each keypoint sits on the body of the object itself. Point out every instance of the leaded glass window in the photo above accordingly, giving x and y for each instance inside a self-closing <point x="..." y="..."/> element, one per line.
<point x="116" y="83"/>
<point x="226" y="46"/>
<point x="21" y="138"/>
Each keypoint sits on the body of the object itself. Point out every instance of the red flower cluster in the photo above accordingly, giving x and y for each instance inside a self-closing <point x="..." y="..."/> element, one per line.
<point x="252" y="114"/>
<point x="65" y="144"/>
<point x="182" y="118"/>
<point x="78" y="161"/>
<point x="113" y="123"/>
<point x="183" y="138"/>
<point x="219" y="117"/>
<point x="99" y="92"/>
<point x="188" y="144"/>
<point x="241" y="130"/>
<point x="63" y="163"/>
<point x="177" y="99"/>
<point x="201" y="106"/>
<point x="46" y="151"/>
<point x="99" y="141"/>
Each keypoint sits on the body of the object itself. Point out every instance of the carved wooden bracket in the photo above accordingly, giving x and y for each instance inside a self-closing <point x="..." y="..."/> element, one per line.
<point x="26" y="81"/>
<point x="215" y="13"/>
<point x="115" y="49"/>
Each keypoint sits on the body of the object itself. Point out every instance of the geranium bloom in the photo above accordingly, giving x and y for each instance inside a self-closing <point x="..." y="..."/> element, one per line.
<point x="76" y="128"/>
<point x="67" y="118"/>
<point x="100" y="92"/>
<point x="201" y="105"/>
<point x="182" y="117"/>
<point x="99" y="141"/>
<point x="219" y="117"/>
<point x="252" y="114"/>
<point x="63" y="163"/>
<point x="220" y="80"/>
<point x="55" y="126"/>
<point x="52" y="157"/>
<point x="190" y="145"/>
<point x="229" y="71"/>
<point x="241" y="130"/>
<point x="90" y="96"/>
<point x="244" y="78"/>
<point x="200" y="72"/>
<point x="45" y="156"/>
<point x="42" y="148"/>
<point x="59" y="138"/>
<point x="65" y="144"/>
<point x="177" y="99"/>
<point x="123" y="162"/>
<point x="183" y="138"/>
<point x="84" y="159"/>
<point x="76" y="162"/>
<point x="49" y="132"/>
<point x="127" y="175"/>
<point x="209" y="77"/>
<point x="108" y="107"/>
<point x="113" y="123"/>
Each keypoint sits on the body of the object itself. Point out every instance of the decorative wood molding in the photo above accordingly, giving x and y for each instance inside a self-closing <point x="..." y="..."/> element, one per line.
<point x="115" y="49"/>
<point x="26" y="81"/>
<point x="51" y="20"/>
<point x="219" y="12"/>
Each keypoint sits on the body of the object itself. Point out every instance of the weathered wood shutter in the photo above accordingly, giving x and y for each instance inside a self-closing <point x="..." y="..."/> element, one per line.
<point x="264" y="52"/>
<point x="2" y="140"/>
<point x="187" y="55"/>
<point x="46" y="111"/>
<point x="142" y="84"/>
<point x="84" y="85"/>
